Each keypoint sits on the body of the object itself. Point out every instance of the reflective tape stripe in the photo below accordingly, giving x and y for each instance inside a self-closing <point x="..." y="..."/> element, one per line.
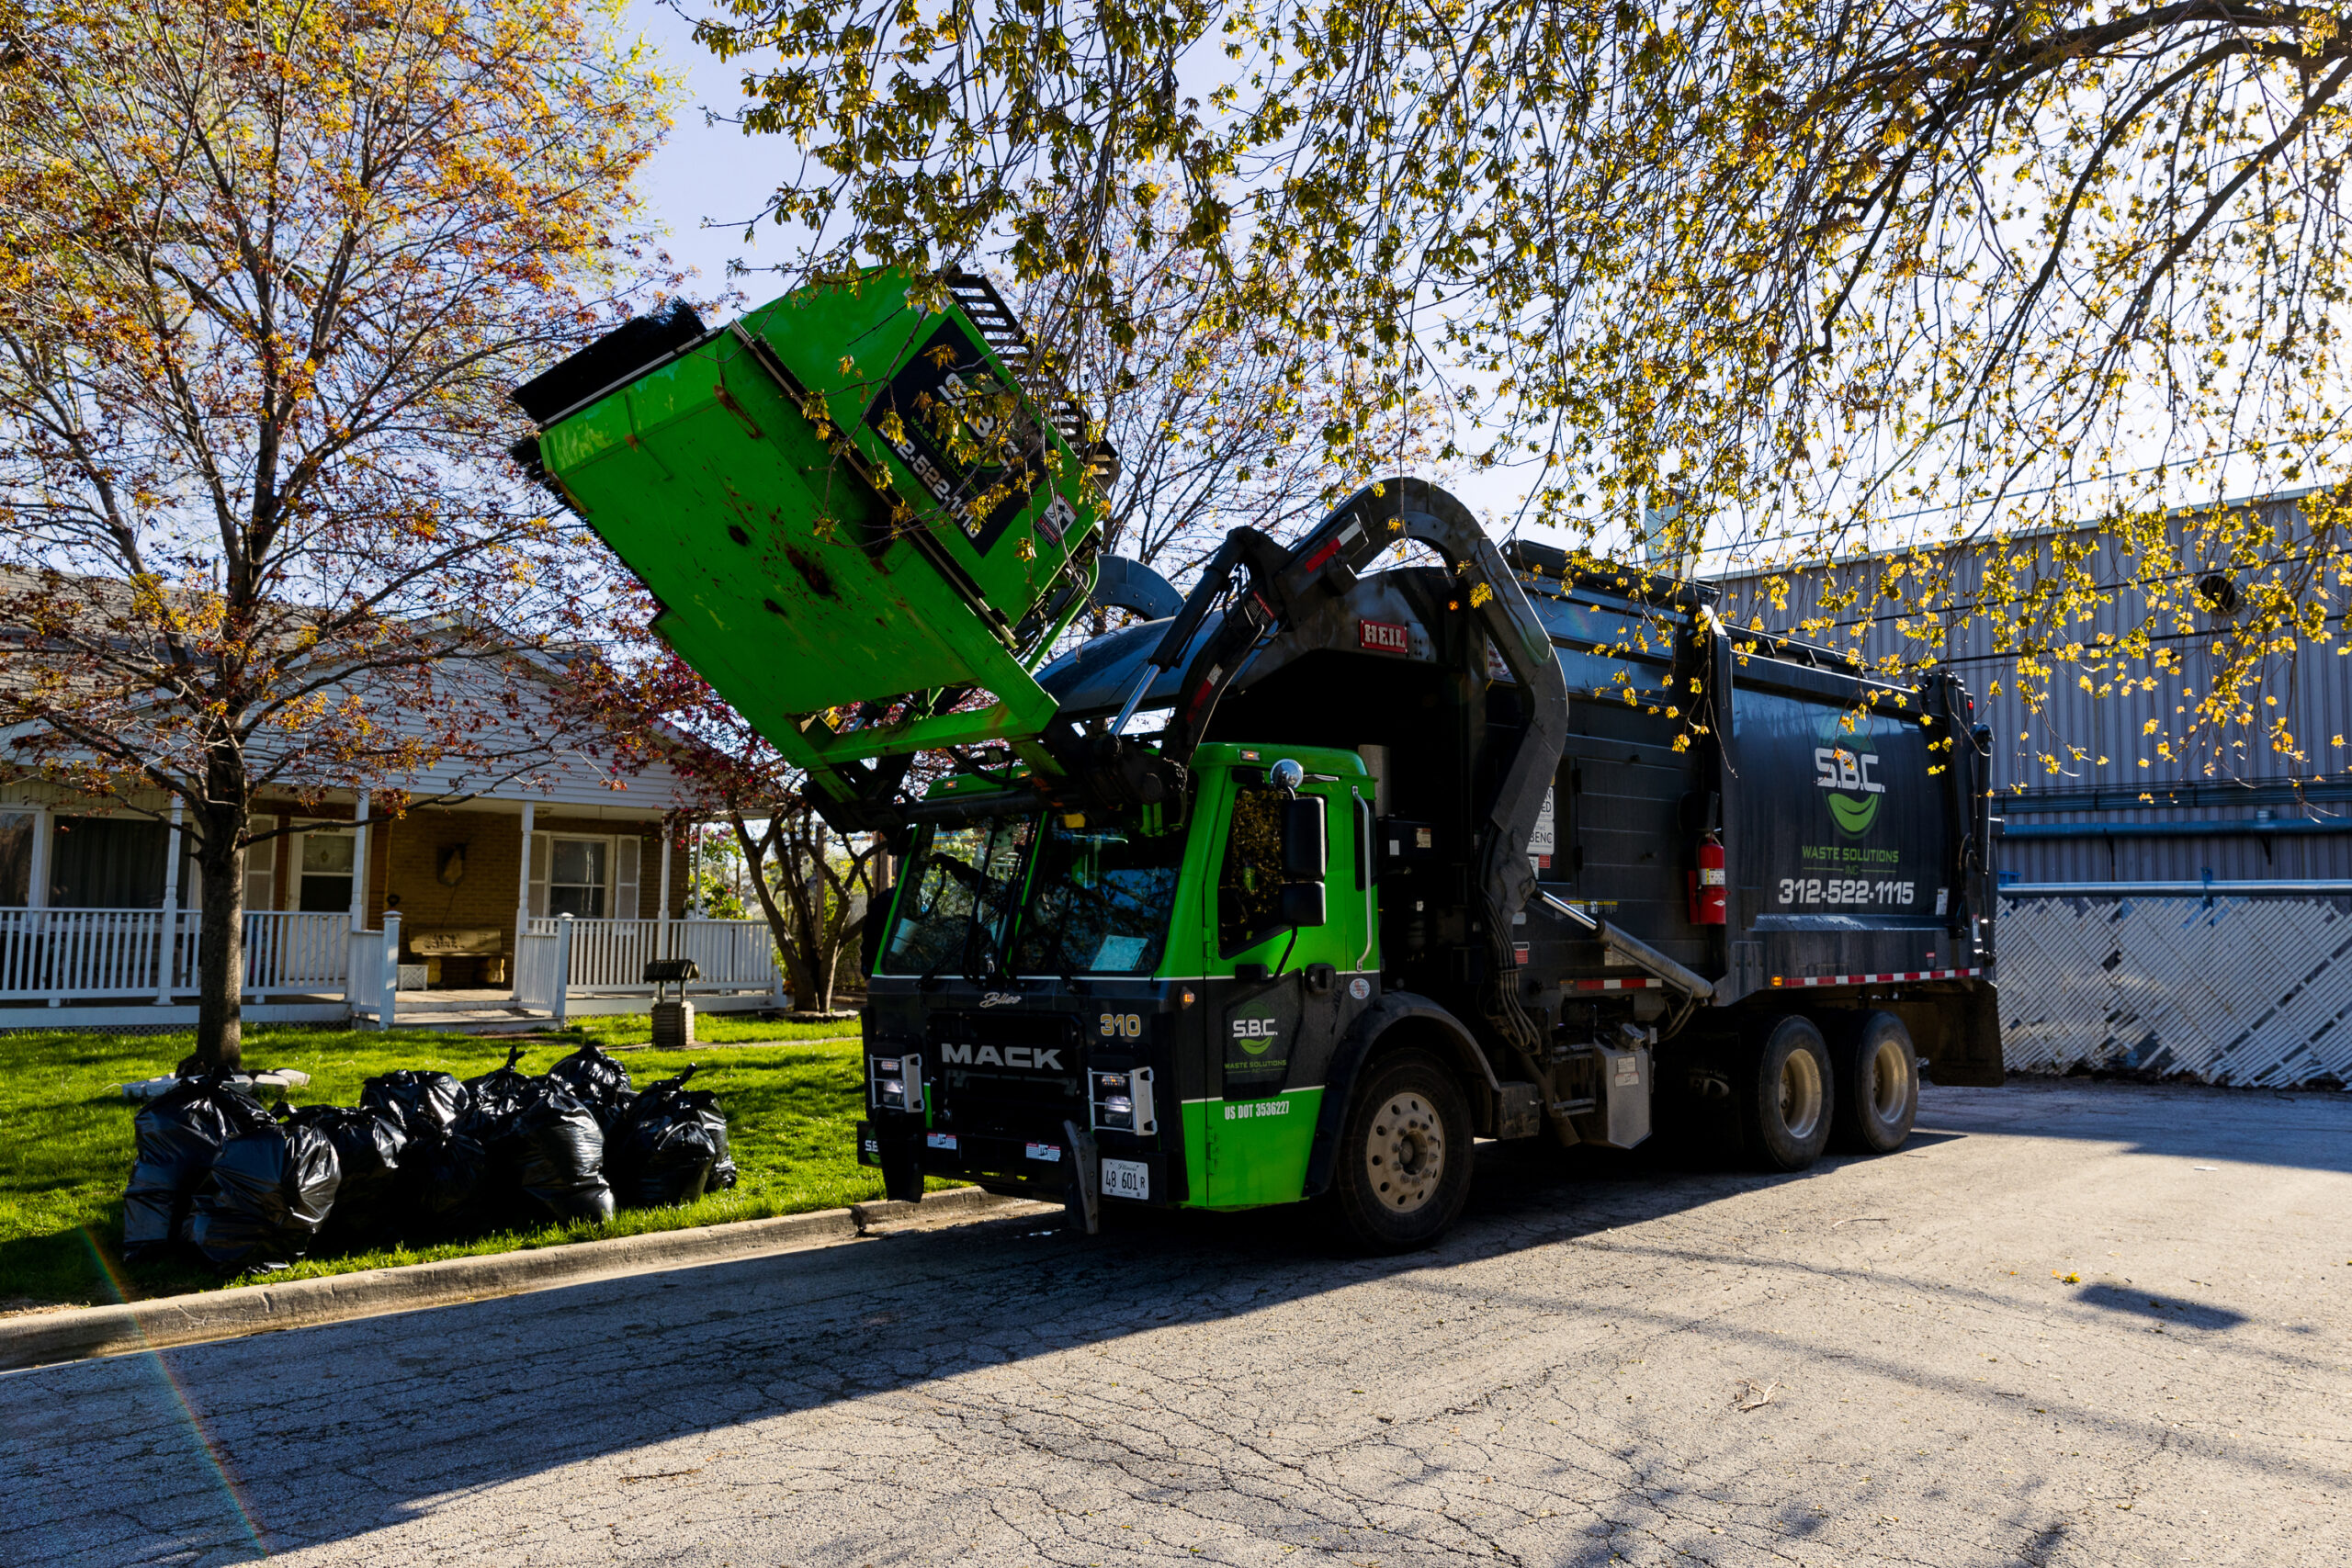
<point x="1809" y="980"/>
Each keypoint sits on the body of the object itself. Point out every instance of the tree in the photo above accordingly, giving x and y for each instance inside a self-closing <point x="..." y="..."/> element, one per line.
<point x="1802" y="279"/>
<point x="818" y="891"/>
<point x="269" y="270"/>
<point x="816" y="888"/>
<point x="1215" y="424"/>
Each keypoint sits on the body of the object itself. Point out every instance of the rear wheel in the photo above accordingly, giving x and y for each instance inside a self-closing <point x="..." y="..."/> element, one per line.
<point x="1877" y="1086"/>
<point x="1783" y="1094"/>
<point x="1405" y="1157"/>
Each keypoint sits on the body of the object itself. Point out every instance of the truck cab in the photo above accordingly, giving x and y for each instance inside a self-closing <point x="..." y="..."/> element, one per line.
<point x="1162" y="1001"/>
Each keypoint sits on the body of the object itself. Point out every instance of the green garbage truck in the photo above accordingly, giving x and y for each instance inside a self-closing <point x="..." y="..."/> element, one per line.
<point x="1365" y="849"/>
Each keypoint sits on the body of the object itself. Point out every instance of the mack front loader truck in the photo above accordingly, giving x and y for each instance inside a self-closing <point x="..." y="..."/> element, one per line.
<point x="1369" y="847"/>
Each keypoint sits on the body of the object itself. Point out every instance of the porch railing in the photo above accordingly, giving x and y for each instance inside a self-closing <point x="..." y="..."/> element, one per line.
<point x="611" y="955"/>
<point x="59" y="953"/>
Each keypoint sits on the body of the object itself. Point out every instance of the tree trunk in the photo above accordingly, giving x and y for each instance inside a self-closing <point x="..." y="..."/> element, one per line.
<point x="220" y="937"/>
<point x="796" y="973"/>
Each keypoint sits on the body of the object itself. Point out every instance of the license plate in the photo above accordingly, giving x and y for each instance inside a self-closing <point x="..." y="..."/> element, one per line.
<point x="1126" y="1179"/>
<point x="941" y="1141"/>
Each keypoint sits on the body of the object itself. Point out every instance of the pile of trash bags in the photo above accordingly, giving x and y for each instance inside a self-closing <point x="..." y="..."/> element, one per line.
<point x="421" y="1156"/>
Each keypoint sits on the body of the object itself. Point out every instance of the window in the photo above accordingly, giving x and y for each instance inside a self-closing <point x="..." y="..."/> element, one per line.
<point x="578" y="871"/>
<point x="587" y="878"/>
<point x="324" y="855"/>
<point x="107" y="863"/>
<point x="1097" y="901"/>
<point x="1249" y="882"/>
<point x="954" y="874"/>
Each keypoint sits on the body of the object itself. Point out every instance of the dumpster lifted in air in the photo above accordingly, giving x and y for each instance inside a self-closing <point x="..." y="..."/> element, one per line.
<point x="1484" y="847"/>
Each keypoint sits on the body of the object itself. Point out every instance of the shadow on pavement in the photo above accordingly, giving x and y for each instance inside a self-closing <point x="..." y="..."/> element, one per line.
<point x="2303" y="1129"/>
<point x="2163" y="1309"/>
<point x="214" y="1452"/>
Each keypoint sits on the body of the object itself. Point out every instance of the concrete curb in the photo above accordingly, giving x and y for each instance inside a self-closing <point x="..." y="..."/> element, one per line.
<point x="85" y="1333"/>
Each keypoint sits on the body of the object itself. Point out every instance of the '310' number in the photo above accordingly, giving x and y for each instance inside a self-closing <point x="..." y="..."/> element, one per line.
<point x="1122" y="1026"/>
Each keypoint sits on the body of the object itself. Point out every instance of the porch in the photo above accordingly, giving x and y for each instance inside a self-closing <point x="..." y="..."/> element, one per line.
<point x="88" y="968"/>
<point x="497" y="911"/>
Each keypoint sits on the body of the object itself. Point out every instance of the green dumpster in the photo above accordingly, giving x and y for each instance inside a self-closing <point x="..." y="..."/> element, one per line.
<point x="864" y="520"/>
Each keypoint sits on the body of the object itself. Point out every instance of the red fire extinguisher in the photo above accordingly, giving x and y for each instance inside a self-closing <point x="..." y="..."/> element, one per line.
<point x="1707" y="905"/>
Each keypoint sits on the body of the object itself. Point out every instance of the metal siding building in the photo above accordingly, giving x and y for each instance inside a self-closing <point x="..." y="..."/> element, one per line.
<point x="2233" y="810"/>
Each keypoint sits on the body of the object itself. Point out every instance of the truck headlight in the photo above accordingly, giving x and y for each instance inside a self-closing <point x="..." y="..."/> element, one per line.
<point x="1122" y="1101"/>
<point x="896" y="1082"/>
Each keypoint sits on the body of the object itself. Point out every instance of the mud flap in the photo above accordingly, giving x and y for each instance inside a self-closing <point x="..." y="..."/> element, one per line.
<point x="1958" y="1035"/>
<point x="1086" y="1177"/>
<point x="901" y="1162"/>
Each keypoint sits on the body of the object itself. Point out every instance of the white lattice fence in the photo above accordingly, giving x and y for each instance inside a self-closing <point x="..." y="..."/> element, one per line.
<point x="2250" y="992"/>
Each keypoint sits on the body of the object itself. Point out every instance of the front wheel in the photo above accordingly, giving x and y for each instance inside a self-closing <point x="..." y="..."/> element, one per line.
<point x="1405" y="1157"/>
<point x="1784" y="1096"/>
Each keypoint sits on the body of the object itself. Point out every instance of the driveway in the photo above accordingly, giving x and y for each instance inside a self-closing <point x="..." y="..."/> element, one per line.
<point x="2070" y="1323"/>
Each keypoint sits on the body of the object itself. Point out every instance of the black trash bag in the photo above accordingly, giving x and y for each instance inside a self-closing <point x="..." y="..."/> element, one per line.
<point x="269" y="1192"/>
<point x="495" y="1098"/>
<point x="502" y="1091"/>
<point x="445" y="1176"/>
<point x="369" y="1146"/>
<point x="416" y="1100"/>
<point x="599" y="1082"/>
<point x="555" y="1148"/>
<point x="671" y="1147"/>
<point x="179" y="1133"/>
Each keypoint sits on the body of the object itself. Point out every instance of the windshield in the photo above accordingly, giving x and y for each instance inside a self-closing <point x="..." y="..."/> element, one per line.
<point x="956" y="874"/>
<point x="1097" y="901"/>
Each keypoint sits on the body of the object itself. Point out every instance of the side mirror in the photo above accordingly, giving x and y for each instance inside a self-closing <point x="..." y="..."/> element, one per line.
<point x="1305" y="841"/>
<point x="1301" y="903"/>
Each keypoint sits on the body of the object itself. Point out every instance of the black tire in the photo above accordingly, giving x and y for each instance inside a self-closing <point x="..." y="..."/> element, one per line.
<point x="1404" y="1168"/>
<point x="1784" y="1092"/>
<point x="1877" y="1086"/>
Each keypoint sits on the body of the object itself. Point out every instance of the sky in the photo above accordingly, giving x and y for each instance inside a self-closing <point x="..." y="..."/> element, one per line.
<point x="706" y="172"/>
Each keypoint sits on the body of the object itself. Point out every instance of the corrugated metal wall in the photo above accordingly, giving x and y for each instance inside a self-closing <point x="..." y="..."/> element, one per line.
<point x="2252" y="992"/>
<point x="1930" y="612"/>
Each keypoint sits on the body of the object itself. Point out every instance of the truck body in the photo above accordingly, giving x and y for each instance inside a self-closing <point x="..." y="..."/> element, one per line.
<point x="1486" y="847"/>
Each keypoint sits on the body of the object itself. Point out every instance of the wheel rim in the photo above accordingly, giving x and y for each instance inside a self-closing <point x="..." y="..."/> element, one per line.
<point x="1890" y="1074"/>
<point x="1800" y="1094"/>
<point x="1404" y="1153"/>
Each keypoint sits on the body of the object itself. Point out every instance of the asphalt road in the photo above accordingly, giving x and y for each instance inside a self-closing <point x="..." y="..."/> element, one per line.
<point x="1563" y="1383"/>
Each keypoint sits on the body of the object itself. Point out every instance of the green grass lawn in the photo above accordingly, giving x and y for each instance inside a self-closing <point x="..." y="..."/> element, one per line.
<point x="792" y="1099"/>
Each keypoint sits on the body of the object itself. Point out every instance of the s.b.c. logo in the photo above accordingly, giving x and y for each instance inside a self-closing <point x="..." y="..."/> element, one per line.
<point x="1846" y="771"/>
<point x="1254" y="1035"/>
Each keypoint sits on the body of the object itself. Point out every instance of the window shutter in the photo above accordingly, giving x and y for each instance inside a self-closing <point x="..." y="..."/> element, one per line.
<point x="261" y="867"/>
<point x="624" y="888"/>
<point x="542" y="847"/>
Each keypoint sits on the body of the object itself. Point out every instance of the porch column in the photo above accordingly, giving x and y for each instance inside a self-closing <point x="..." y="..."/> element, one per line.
<point x="359" y="864"/>
<point x="167" y="948"/>
<point x="37" y="896"/>
<point x="522" y="900"/>
<point x="661" y="912"/>
<point x="693" y="872"/>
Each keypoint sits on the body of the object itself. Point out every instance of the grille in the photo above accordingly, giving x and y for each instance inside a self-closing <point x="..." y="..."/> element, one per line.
<point x="1009" y="1101"/>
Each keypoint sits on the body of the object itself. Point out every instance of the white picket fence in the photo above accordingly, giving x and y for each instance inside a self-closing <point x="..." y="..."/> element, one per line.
<point x="83" y="956"/>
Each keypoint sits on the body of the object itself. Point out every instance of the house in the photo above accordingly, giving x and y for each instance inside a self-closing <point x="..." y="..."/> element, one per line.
<point x="525" y="891"/>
